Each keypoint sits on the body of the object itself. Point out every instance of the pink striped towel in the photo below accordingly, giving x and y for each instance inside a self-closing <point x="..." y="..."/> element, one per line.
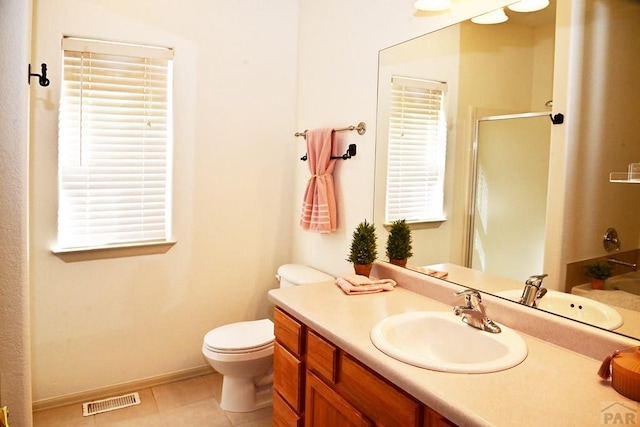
<point x="319" y="203"/>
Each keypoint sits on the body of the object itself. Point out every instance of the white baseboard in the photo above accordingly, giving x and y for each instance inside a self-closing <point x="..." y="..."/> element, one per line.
<point x="123" y="388"/>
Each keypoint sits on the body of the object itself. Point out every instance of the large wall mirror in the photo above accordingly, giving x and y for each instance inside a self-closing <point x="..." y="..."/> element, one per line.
<point x="523" y="196"/>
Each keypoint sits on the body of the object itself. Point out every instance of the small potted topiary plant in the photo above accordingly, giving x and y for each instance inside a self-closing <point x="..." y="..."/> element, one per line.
<point x="363" y="248"/>
<point x="399" y="243"/>
<point x="598" y="272"/>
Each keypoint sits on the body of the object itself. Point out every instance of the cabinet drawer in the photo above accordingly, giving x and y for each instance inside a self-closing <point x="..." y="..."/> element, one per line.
<point x="322" y="357"/>
<point x="289" y="332"/>
<point x="288" y="376"/>
<point x="375" y="397"/>
<point x="283" y="415"/>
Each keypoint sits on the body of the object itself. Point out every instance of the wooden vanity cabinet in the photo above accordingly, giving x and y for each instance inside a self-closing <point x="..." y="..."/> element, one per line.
<point x="316" y="384"/>
<point x="288" y="370"/>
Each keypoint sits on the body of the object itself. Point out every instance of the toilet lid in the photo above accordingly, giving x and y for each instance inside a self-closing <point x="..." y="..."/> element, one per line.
<point x="237" y="337"/>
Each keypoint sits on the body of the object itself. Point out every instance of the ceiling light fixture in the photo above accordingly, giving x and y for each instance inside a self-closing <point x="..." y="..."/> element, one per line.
<point x="432" y="5"/>
<point x="529" y="5"/>
<point x="495" y="17"/>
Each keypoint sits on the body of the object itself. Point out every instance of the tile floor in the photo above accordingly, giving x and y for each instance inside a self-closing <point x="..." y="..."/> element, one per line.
<point x="189" y="403"/>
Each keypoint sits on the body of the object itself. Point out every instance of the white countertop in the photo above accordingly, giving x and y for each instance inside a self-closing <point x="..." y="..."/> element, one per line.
<point x="553" y="386"/>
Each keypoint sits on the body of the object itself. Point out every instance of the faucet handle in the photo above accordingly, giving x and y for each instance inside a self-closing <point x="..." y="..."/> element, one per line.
<point x="469" y="294"/>
<point x="535" y="280"/>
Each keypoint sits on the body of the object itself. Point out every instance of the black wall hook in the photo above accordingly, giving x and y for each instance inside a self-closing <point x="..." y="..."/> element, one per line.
<point x="351" y="152"/>
<point x="558" y="119"/>
<point x="42" y="78"/>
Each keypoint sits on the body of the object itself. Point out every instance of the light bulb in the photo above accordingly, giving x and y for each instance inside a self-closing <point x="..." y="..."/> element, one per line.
<point x="529" y="5"/>
<point x="432" y="5"/>
<point x="495" y="17"/>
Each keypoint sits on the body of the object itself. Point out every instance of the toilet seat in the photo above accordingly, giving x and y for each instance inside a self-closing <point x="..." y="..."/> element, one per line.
<point x="241" y="337"/>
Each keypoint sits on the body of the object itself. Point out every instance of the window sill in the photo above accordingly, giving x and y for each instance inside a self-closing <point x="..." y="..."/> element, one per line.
<point x="425" y="223"/>
<point x="105" y="252"/>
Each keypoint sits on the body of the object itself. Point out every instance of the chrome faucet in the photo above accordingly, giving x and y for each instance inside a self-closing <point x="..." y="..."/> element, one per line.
<point x="474" y="312"/>
<point x="533" y="290"/>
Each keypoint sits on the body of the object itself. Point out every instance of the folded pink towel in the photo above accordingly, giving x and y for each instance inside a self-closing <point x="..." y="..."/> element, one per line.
<point x="357" y="284"/>
<point x="430" y="272"/>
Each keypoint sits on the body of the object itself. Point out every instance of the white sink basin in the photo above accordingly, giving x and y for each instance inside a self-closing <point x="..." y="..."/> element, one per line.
<point x="441" y="341"/>
<point x="574" y="307"/>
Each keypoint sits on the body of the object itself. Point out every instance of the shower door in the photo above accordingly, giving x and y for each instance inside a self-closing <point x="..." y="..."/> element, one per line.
<point x="509" y="195"/>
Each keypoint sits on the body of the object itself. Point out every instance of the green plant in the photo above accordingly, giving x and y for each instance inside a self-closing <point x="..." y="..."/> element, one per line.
<point x="363" y="244"/>
<point x="399" y="240"/>
<point x="598" y="270"/>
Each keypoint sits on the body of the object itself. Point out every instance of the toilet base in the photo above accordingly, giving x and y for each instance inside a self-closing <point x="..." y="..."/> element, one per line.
<point x="243" y="395"/>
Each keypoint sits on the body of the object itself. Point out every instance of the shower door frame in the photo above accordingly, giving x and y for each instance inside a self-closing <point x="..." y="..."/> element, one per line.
<point x="468" y="250"/>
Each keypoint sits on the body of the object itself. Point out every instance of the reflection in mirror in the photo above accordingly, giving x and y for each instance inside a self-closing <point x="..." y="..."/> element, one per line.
<point x="489" y="70"/>
<point x="505" y="70"/>
<point x="509" y="194"/>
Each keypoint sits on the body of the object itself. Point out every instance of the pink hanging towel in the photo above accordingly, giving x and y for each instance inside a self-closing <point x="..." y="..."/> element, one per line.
<point x="319" y="203"/>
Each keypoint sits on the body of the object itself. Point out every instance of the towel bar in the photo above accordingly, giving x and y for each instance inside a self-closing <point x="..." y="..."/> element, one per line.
<point x="361" y="128"/>
<point x="351" y="151"/>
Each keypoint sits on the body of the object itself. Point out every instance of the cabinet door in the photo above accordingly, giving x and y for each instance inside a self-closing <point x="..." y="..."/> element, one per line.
<point x="324" y="407"/>
<point x="288" y="375"/>
<point x="379" y="400"/>
<point x="434" y="419"/>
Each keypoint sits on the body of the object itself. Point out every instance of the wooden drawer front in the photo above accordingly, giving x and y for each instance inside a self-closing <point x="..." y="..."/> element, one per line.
<point x="326" y="408"/>
<point x="283" y="415"/>
<point x="322" y="357"/>
<point x="288" y="376"/>
<point x="376" y="398"/>
<point x="289" y="332"/>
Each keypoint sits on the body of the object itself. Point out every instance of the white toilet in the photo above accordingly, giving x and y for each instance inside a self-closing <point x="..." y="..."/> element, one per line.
<point x="242" y="352"/>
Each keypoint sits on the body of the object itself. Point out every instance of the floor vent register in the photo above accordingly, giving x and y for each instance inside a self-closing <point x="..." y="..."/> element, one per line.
<point x="111" y="404"/>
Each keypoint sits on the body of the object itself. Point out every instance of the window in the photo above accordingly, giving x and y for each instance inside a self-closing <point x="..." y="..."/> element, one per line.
<point x="114" y="159"/>
<point x="416" y="151"/>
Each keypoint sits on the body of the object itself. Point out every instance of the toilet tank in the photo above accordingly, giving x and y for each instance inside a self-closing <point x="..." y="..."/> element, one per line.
<point x="297" y="274"/>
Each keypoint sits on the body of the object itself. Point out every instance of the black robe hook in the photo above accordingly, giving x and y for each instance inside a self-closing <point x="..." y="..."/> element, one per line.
<point x="558" y="119"/>
<point x="42" y="78"/>
<point x="351" y="151"/>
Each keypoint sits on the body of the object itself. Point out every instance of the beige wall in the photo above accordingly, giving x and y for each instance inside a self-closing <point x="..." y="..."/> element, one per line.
<point x="15" y="380"/>
<point x="605" y="129"/>
<point x="337" y="84"/>
<point x="239" y="65"/>
<point x="104" y="322"/>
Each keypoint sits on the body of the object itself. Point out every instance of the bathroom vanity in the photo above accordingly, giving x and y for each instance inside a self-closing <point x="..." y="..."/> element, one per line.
<point x="327" y="371"/>
<point x="316" y="383"/>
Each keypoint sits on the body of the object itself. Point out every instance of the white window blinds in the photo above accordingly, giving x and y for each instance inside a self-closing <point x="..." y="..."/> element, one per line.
<point x="416" y="151"/>
<point x="114" y="160"/>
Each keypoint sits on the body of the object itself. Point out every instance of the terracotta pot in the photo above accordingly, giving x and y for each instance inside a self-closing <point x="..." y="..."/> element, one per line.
<point x="363" y="269"/>
<point x="399" y="262"/>
<point x="597" y="283"/>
